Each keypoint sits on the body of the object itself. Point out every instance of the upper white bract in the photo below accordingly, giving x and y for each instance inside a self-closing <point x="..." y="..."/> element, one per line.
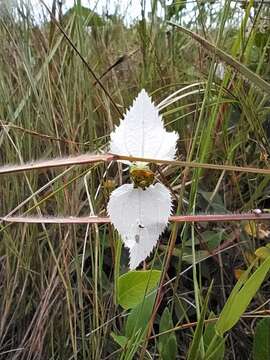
<point x="140" y="216"/>
<point x="141" y="133"/>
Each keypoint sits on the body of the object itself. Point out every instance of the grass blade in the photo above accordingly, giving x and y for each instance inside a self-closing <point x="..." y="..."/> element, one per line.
<point x="222" y="55"/>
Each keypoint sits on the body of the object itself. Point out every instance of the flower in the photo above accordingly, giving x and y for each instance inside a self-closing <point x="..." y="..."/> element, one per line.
<point x="140" y="211"/>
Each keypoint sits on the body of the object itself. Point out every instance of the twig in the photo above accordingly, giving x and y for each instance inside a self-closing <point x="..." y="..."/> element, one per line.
<point x="263" y="313"/>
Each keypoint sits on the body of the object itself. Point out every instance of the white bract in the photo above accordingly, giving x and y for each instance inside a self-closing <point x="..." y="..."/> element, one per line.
<point x="220" y="71"/>
<point x="140" y="211"/>
<point x="142" y="134"/>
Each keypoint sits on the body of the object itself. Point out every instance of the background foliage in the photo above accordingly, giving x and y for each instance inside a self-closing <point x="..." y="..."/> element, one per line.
<point x="59" y="283"/>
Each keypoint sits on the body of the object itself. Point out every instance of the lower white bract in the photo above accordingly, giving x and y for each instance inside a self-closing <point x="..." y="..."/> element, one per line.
<point x="140" y="216"/>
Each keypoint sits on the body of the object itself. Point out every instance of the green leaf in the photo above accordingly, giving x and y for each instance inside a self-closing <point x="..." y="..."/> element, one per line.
<point x="119" y="339"/>
<point x="175" y="8"/>
<point x="89" y="17"/>
<point x="194" y="349"/>
<point x="209" y="334"/>
<point x="263" y="252"/>
<point x="228" y="59"/>
<point x="215" y="350"/>
<point x="243" y="292"/>
<point x="261" y="39"/>
<point x="167" y="342"/>
<point x="216" y="203"/>
<point x="165" y="322"/>
<point x="134" y="285"/>
<point x="261" y="344"/>
<point x="200" y="255"/>
<point x="139" y="316"/>
<point x="169" y="351"/>
<point x="212" y="238"/>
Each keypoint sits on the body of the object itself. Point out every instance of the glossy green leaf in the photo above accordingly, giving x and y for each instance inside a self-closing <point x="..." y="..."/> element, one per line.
<point x="134" y="285"/>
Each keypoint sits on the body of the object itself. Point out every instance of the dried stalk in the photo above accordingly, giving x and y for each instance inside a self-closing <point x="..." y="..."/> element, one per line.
<point x="106" y="220"/>
<point x="85" y="159"/>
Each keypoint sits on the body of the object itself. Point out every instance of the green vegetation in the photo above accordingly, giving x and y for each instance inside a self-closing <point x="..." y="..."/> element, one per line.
<point x="64" y="289"/>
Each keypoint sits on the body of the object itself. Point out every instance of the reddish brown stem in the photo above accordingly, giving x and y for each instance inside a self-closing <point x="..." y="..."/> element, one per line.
<point x="105" y="220"/>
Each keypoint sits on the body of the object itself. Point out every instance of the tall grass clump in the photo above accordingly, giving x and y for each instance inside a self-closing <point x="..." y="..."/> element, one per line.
<point x="66" y="79"/>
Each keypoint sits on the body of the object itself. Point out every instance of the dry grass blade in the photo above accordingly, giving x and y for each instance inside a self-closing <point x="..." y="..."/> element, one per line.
<point x="119" y="61"/>
<point x="106" y="220"/>
<point x="92" y="158"/>
<point x="74" y="160"/>
<point x="228" y="59"/>
<point x="40" y="135"/>
<point x="81" y="57"/>
<point x="197" y="165"/>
